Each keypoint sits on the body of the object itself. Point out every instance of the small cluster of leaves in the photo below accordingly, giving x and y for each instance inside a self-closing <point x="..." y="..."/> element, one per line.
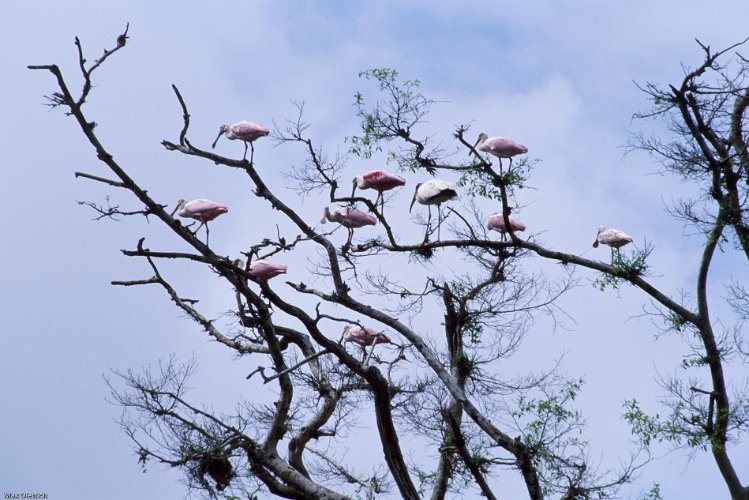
<point x="473" y="329"/>
<point x="476" y="182"/>
<point x="649" y="429"/>
<point x="547" y="416"/>
<point x="479" y="183"/>
<point x="654" y="493"/>
<point x="624" y="268"/>
<point x="403" y="108"/>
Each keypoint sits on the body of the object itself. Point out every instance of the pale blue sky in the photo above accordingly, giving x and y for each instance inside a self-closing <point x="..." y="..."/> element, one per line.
<point x="557" y="76"/>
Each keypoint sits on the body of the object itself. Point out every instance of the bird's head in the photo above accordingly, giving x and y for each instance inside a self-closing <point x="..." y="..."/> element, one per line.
<point x="180" y="205"/>
<point x="222" y="130"/>
<point x="325" y="215"/>
<point x="346" y="335"/>
<point x="413" y="200"/>
<point x="600" y="230"/>
<point x="482" y="138"/>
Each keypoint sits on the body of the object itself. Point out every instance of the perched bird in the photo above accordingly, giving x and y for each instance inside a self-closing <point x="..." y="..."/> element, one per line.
<point x="201" y="210"/>
<point x="244" y="131"/>
<point x="496" y="222"/>
<point x="364" y="336"/>
<point x="380" y="181"/>
<point x="434" y="192"/>
<point x="349" y="218"/>
<point x="612" y="237"/>
<point x="501" y="147"/>
<point x="265" y="269"/>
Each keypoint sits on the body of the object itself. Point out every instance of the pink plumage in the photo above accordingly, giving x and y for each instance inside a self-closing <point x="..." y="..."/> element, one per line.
<point x="244" y="131"/>
<point x="501" y="147"/>
<point x="364" y="336"/>
<point x="265" y="269"/>
<point x="201" y="209"/>
<point x="348" y="217"/>
<point x="496" y="222"/>
<point x="379" y="180"/>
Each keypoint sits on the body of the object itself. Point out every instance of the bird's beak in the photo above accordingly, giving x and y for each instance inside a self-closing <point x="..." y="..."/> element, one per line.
<point x="353" y="190"/>
<point x="595" y="243"/>
<point x="176" y="207"/>
<point x="413" y="200"/>
<point x="213" y="146"/>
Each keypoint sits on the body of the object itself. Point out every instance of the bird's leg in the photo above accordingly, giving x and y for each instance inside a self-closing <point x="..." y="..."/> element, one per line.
<point x="245" y="151"/>
<point x="252" y="153"/>
<point x="195" y="233"/>
<point x="429" y="221"/>
<point x="207" y="234"/>
<point x="350" y="236"/>
<point x="366" y="361"/>
<point x="439" y="220"/>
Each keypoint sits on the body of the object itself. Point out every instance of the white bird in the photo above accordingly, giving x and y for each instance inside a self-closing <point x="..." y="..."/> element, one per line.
<point x="434" y="192"/>
<point x="611" y="237"/>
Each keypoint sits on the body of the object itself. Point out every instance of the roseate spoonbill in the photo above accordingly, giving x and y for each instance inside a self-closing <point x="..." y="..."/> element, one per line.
<point x="265" y="269"/>
<point x="202" y="210"/>
<point x="434" y="192"/>
<point x="380" y="181"/>
<point x="244" y="131"/>
<point x="612" y="237"/>
<point x="501" y="147"/>
<point x="349" y="218"/>
<point x="496" y="222"/>
<point x="364" y="336"/>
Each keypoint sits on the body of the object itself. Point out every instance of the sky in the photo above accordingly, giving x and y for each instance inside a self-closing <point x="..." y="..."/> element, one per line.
<point x="556" y="76"/>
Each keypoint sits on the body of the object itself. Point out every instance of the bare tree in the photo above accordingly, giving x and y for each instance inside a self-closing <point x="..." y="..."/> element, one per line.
<point x="441" y="385"/>
<point x="706" y="113"/>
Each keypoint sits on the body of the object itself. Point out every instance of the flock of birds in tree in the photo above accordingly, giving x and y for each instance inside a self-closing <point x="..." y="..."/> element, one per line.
<point x="431" y="192"/>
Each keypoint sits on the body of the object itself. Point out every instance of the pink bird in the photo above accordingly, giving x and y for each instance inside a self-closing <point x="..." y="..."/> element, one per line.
<point x="612" y="237"/>
<point x="364" y="336"/>
<point x="496" y="222"/>
<point x="202" y="210"/>
<point x="501" y="147"/>
<point x="265" y="269"/>
<point x="244" y="131"/>
<point x="349" y="218"/>
<point x="380" y="181"/>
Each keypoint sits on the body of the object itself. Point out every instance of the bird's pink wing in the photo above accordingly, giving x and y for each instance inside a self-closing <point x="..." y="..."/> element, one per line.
<point x="265" y="269"/>
<point x="205" y="208"/>
<point x="504" y="147"/>
<point x="359" y="218"/>
<point x="380" y="179"/>
<point x="249" y="130"/>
